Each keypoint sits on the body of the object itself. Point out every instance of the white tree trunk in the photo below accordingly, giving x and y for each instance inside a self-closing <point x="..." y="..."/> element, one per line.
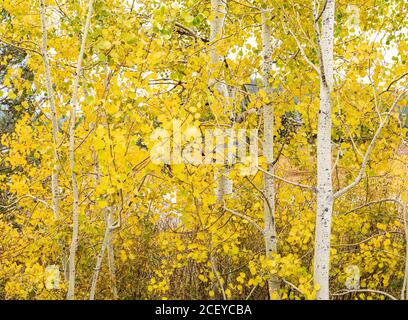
<point x="404" y="291"/>
<point x="324" y="155"/>
<point x="99" y="259"/>
<point x="269" y="181"/>
<point x="54" y="122"/>
<point x="54" y="119"/>
<point x="107" y="245"/>
<point x="74" y="106"/>
<point x="218" y="8"/>
<point x="111" y="258"/>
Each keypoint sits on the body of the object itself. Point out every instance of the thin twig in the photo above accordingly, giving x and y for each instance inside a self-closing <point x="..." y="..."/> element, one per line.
<point x="342" y="293"/>
<point x="369" y="149"/>
<point x="288" y="181"/>
<point x="245" y="218"/>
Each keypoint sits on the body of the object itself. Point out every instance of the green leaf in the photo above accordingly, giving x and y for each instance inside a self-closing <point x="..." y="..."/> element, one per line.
<point x="103" y="45"/>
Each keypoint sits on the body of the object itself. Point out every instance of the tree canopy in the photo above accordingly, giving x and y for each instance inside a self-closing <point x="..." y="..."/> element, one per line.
<point x="110" y="191"/>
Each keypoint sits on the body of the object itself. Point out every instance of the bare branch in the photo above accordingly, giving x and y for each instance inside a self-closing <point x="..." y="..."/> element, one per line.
<point x="19" y="47"/>
<point x="288" y="181"/>
<point x="393" y="82"/>
<point x="74" y="105"/>
<point x="317" y="18"/>
<point x="342" y="293"/>
<point x="362" y="241"/>
<point x="245" y="218"/>
<point x="31" y="197"/>
<point x="293" y="286"/>
<point x="302" y="51"/>
<point x="373" y="202"/>
<point x="191" y="32"/>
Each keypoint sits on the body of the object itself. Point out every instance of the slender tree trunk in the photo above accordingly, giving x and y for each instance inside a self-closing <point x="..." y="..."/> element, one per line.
<point x="219" y="11"/>
<point x="111" y="259"/>
<point x="269" y="181"/>
<point x="54" y="119"/>
<point x="99" y="259"/>
<point x="324" y="155"/>
<point x="107" y="243"/>
<point x="112" y="268"/>
<point x="74" y="106"/>
<point x="54" y="122"/>
<point x="219" y="8"/>
<point x="404" y="291"/>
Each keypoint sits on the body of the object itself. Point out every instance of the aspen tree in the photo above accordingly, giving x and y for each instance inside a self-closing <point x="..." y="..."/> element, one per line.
<point x="105" y="246"/>
<point x="269" y="180"/>
<point x="215" y="82"/>
<point x="219" y="12"/>
<point x="54" y="117"/>
<point x="325" y="194"/>
<point x="74" y="106"/>
<point x="107" y="242"/>
<point x="325" y="39"/>
<point x="173" y="238"/>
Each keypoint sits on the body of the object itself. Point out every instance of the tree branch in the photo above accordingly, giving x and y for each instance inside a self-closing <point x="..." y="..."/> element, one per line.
<point x="302" y="51"/>
<point x="245" y="218"/>
<point x="288" y="181"/>
<point x="368" y="152"/>
<point x="342" y="293"/>
<point x="373" y="202"/>
<point x="191" y="32"/>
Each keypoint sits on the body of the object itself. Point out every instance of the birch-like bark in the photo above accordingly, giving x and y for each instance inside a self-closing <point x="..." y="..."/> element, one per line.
<point x="271" y="246"/>
<point x="111" y="261"/>
<point x="219" y="10"/>
<point x="107" y="244"/>
<point x="99" y="259"/>
<point x="110" y="248"/>
<point x="74" y="106"/>
<point x="404" y="291"/>
<point x="54" y="119"/>
<point x="324" y="154"/>
<point x="54" y="122"/>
